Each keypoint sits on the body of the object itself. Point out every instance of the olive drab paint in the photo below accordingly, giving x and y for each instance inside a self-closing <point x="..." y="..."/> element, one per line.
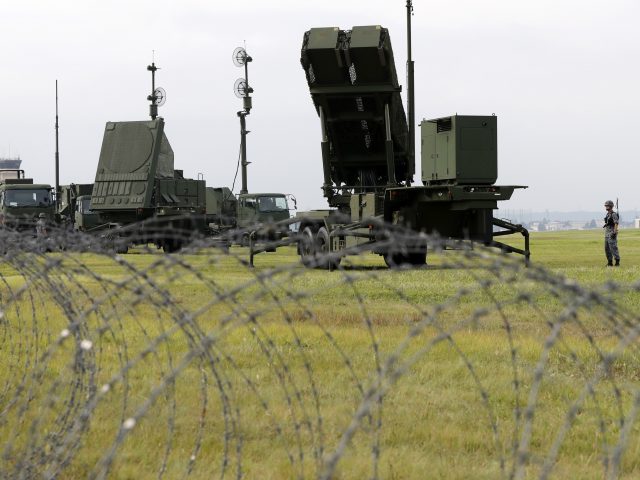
<point x="136" y="180"/>
<point x="23" y="202"/>
<point x="461" y="149"/>
<point x="133" y="157"/>
<point x="354" y="86"/>
<point x="368" y="159"/>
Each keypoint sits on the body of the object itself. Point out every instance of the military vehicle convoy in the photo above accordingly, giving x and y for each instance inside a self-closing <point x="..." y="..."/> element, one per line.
<point x="368" y="160"/>
<point x="138" y="193"/>
<point x="22" y="202"/>
<point x="139" y="197"/>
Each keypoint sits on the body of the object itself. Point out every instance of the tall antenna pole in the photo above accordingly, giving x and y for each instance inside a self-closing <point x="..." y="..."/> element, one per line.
<point x="153" y="108"/>
<point x="410" y="90"/>
<point x="57" y="155"/>
<point x="243" y="90"/>
<point x="246" y="103"/>
<point x="243" y="149"/>
<point x="158" y="95"/>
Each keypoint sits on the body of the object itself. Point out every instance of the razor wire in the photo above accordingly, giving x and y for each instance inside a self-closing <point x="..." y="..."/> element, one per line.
<point x="197" y="365"/>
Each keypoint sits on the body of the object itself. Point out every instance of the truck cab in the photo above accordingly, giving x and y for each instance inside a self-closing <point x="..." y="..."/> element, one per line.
<point x="258" y="208"/>
<point x="22" y="202"/>
<point x="85" y="219"/>
<point x="67" y="201"/>
<point x="258" y="216"/>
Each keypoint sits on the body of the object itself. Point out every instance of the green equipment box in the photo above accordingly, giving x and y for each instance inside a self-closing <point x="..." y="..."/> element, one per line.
<point x="461" y="149"/>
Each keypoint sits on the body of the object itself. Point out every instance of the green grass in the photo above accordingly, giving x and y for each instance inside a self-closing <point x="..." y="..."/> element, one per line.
<point x="283" y="376"/>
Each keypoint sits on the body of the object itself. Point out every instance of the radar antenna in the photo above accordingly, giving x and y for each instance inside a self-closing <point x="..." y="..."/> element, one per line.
<point x="158" y="96"/>
<point x="240" y="57"/>
<point x="242" y="90"/>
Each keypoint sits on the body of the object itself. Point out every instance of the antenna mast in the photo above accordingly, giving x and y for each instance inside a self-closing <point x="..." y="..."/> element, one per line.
<point x="243" y="90"/>
<point x="57" y="156"/>
<point x="158" y="95"/>
<point x="153" y="108"/>
<point x="410" y="91"/>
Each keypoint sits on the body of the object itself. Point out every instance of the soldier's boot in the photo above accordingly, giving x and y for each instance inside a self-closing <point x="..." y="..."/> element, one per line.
<point x="609" y="263"/>
<point x="617" y="262"/>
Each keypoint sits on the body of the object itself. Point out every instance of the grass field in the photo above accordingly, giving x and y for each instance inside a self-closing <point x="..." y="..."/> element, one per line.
<point x="194" y="365"/>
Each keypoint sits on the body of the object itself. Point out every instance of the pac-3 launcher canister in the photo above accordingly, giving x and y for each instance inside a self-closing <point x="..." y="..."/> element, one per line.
<point x="367" y="158"/>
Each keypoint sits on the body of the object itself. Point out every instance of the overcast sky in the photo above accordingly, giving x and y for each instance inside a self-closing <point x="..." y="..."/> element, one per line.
<point x="562" y="76"/>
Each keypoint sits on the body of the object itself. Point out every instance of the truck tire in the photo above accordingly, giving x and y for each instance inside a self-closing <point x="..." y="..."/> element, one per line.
<point x="307" y="247"/>
<point x="415" y="259"/>
<point x="418" y="258"/>
<point x="171" y="245"/>
<point x="121" y="245"/>
<point x="323" y="251"/>
<point x="394" y="260"/>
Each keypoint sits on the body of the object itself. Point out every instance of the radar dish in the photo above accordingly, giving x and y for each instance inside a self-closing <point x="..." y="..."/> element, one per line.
<point x="240" y="88"/>
<point x="159" y="96"/>
<point x="239" y="57"/>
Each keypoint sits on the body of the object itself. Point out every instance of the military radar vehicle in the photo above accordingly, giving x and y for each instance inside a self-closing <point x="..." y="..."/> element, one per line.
<point x="368" y="160"/>
<point x="137" y="187"/>
<point x="23" y="202"/>
<point x="137" y="193"/>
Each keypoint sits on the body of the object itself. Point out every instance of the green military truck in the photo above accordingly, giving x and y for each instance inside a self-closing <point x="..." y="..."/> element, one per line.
<point x="85" y="219"/>
<point x="139" y="196"/>
<point x="258" y="213"/>
<point x="368" y="159"/>
<point x="67" y="202"/>
<point x="22" y="202"/>
<point x="221" y="209"/>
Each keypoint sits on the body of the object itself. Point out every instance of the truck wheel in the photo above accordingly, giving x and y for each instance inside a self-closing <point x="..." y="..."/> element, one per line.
<point x="323" y="251"/>
<point x="418" y="258"/>
<point x="121" y="245"/>
<point x="306" y="247"/>
<point x="171" y="245"/>
<point x="122" y="249"/>
<point x="395" y="260"/>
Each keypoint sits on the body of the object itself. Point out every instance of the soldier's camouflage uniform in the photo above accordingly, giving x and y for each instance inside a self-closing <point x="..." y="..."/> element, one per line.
<point x="611" y="237"/>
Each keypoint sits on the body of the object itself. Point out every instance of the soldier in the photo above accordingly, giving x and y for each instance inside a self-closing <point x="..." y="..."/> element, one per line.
<point x="611" y="235"/>
<point x="41" y="225"/>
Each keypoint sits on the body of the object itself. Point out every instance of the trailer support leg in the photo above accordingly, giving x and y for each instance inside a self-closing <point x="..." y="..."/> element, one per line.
<point x="511" y="228"/>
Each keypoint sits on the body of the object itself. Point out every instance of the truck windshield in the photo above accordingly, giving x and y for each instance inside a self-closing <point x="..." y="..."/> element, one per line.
<point x="37" y="197"/>
<point x="84" y="206"/>
<point x="272" y="204"/>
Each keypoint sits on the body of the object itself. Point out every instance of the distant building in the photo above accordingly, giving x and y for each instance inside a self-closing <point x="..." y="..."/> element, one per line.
<point x="10" y="163"/>
<point x="636" y="223"/>
<point x="558" y="226"/>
